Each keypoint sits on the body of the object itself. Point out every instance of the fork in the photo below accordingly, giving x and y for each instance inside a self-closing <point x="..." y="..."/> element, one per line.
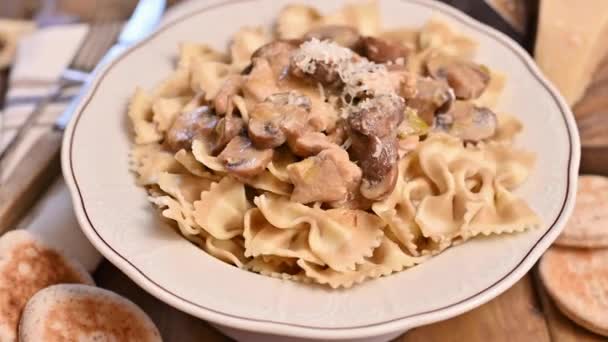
<point x="98" y="40"/>
<point x="17" y="194"/>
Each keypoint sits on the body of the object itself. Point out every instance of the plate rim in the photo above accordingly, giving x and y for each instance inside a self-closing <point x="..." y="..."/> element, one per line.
<point x="358" y="331"/>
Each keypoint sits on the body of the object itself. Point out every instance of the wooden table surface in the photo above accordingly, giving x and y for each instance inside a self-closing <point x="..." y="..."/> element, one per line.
<point x="522" y="313"/>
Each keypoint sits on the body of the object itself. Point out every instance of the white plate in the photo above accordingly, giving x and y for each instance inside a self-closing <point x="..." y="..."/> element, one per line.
<point x="119" y="221"/>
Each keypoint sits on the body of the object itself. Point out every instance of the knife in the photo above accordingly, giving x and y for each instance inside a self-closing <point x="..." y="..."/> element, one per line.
<point x="40" y="164"/>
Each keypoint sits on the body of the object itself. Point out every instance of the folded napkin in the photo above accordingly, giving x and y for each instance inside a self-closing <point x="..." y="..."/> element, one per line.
<point x="40" y="59"/>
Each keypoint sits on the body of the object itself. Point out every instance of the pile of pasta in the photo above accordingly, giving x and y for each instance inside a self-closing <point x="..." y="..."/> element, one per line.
<point x="447" y="191"/>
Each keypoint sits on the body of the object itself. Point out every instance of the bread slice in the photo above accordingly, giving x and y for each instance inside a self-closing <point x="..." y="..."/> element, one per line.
<point x="71" y="312"/>
<point x="577" y="280"/>
<point x="27" y="265"/>
<point x="588" y="225"/>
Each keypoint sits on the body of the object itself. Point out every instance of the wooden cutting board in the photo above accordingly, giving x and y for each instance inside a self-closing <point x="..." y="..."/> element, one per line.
<point x="592" y="119"/>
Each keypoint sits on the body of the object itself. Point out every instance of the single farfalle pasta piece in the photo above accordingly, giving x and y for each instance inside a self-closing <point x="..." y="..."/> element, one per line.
<point x="149" y="161"/>
<point x="296" y="20"/>
<point x="438" y="36"/>
<point x="264" y="239"/>
<point x="181" y="191"/>
<point x="229" y="251"/>
<point x="508" y="214"/>
<point x="208" y="77"/>
<point x="341" y="238"/>
<point x="508" y="128"/>
<point x="203" y="155"/>
<point x="185" y="188"/>
<point x="244" y="43"/>
<point x="470" y="183"/>
<point x="221" y="210"/>
<point x="365" y="17"/>
<point x="177" y="84"/>
<point x="187" y="160"/>
<point x="267" y="181"/>
<point x="190" y="53"/>
<point x="489" y="98"/>
<point x="166" y="109"/>
<point x="182" y="215"/>
<point x="140" y="113"/>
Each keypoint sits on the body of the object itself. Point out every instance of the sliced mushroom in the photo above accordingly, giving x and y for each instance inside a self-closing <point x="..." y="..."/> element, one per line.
<point x="468" y="121"/>
<point x="326" y="177"/>
<point x="380" y="50"/>
<point x="346" y="36"/>
<point x="376" y="189"/>
<point x="188" y="125"/>
<point x="324" y="73"/>
<point x="378" y="116"/>
<point x="469" y="80"/>
<point x="280" y="117"/>
<point x="278" y="54"/>
<point x="242" y="159"/>
<point x="231" y="87"/>
<point x="265" y="134"/>
<point x="311" y="143"/>
<point x="431" y="97"/>
<point x="318" y="62"/>
<point x="373" y="133"/>
<point x="376" y="156"/>
<point x="227" y="128"/>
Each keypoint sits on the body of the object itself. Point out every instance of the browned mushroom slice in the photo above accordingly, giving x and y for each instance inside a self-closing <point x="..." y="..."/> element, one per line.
<point x="278" y="54"/>
<point x="311" y="143"/>
<point x="468" y="122"/>
<point x="377" y="159"/>
<point x="379" y="50"/>
<point x="318" y="61"/>
<point x="376" y="156"/>
<point x="191" y="124"/>
<point x="431" y="96"/>
<point x="294" y="126"/>
<point x="343" y="35"/>
<point x="376" y="189"/>
<point x="231" y="87"/>
<point x="280" y="116"/>
<point x="227" y="128"/>
<point x="373" y="132"/>
<point x="325" y="177"/>
<point x="469" y="80"/>
<point x="378" y="116"/>
<point x="265" y="134"/>
<point x="242" y="159"/>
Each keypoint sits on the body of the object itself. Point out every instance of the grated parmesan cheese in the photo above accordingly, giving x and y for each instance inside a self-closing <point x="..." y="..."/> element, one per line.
<point x="365" y="77"/>
<point x="315" y="51"/>
<point x="359" y="75"/>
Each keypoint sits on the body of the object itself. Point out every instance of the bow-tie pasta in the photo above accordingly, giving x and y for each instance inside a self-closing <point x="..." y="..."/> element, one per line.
<point x="329" y="149"/>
